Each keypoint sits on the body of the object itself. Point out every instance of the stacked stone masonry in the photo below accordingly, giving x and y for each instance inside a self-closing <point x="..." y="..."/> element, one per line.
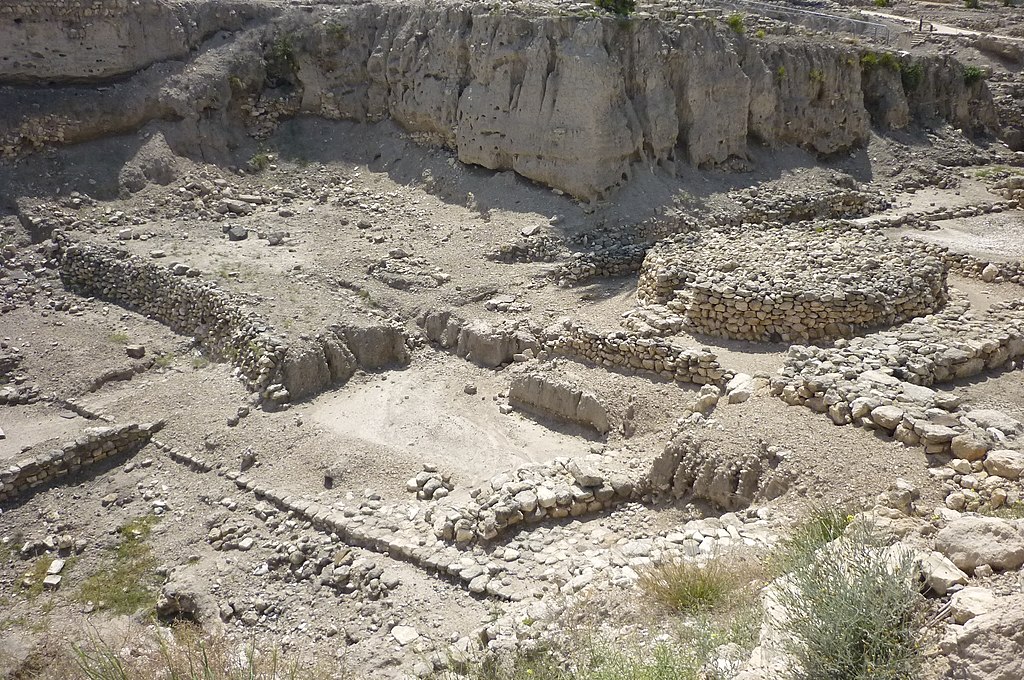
<point x="94" y="445"/>
<point x="790" y="284"/>
<point x="624" y="351"/>
<point x="881" y="381"/>
<point x="221" y="323"/>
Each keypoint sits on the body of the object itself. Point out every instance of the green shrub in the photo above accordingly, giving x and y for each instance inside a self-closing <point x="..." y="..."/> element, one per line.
<point x="760" y="34"/>
<point x="780" y="74"/>
<point x="912" y="75"/>
<point x="973" y="74"/>
<point x="735" y="22"/>
<point x="881" y="3"/>
<point x="817" y="76"/>
<point x="119" y="338"/>
<point x="623" y="8"/>
<point x="972" y="4"/>
<point x="853" y="613"/>
<point x="280" y="61"/>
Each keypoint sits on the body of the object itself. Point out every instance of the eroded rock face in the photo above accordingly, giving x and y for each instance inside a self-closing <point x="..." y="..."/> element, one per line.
<point x="560" y="399"/>
<point x="576" y="102"/>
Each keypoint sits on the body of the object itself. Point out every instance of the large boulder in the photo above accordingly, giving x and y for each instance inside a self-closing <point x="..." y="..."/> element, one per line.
<point x="989" y="646"/>
<point x="972" y="541"/>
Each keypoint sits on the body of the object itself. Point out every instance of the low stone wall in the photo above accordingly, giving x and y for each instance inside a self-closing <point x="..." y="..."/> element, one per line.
<point x="621" y="350"/>
<point x="790" y="284"/>
<point x="687" y="469"/>
<point x="880" y="382"/>
<point x="478" y="341"/>
<point x="973" y="267"/>
<point x="94" y="445"/>
<point x="534" y="493"/>
<point x="224" y="325"/>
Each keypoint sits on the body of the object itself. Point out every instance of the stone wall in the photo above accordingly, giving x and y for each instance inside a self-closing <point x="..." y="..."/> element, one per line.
<point x="790" y="284"/>
<point x="625" y="351"/>
<point x="224" y="326"/>
<point x="560" y="399"/>
<point x="689" y="469"/>
<point x="534" y="493"/>
<point x="95" y="444"/>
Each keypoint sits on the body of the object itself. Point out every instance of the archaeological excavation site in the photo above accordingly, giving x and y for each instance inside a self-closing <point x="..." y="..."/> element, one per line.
<point x="512" y="339"/>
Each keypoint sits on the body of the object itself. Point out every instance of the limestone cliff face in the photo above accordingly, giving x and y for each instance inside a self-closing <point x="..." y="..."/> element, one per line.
<point x="88" y="40"/>
<point x="577" y="103"/>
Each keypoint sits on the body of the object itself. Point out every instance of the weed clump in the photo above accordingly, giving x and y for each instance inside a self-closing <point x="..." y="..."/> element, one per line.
<point x="690" y="588"/>
<point x="125" y="582"/>
<point x="622" y="8"/>
<point x="735" y="22"/>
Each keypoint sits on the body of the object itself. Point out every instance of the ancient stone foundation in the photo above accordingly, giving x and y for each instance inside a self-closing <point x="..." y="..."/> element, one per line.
<point x="95" y="444"/>
<point x="790" y="284"/>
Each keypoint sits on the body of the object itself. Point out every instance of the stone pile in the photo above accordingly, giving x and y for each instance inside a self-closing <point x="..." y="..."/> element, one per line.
<point x="429" y="484"/>
<point x="790" y="284"/>
<point x="535" y="248"/>
<point x="95" y="444"/>
<point x="530" y="494"/>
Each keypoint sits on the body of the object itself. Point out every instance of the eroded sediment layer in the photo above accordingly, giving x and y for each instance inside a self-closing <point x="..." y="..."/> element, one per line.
<point x="574" y="102"/>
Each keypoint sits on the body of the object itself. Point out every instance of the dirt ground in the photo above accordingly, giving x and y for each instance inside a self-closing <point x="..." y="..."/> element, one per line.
<point x="381" y="227"/>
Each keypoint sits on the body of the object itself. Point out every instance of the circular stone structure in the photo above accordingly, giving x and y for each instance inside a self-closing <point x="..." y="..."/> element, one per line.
<point x="790" y="285"/>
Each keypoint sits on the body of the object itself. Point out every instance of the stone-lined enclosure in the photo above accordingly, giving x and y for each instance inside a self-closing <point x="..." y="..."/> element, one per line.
<point x="574" y="102"/>
<point x="790" y="284"/>
<point x="226" y="327"/>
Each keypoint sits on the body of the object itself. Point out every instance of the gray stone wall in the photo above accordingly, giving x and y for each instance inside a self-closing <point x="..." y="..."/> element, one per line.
<point x="94" y="445"/>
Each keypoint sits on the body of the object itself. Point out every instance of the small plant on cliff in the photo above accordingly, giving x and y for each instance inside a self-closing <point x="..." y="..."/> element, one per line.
<point x="780" y="74"/>
<point x="973" y="74"/>
<point x="912" y="76"/>
<point x="881" y="3"/>
<point x="817" y="76"/>
<point x="623" y="8"/>
<point x="972" y="4"/>
<point x="280" y="60"/>
<point x="760" y="34"/>
<point x="338" y="34"/>
<point x="735" y="22"/>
